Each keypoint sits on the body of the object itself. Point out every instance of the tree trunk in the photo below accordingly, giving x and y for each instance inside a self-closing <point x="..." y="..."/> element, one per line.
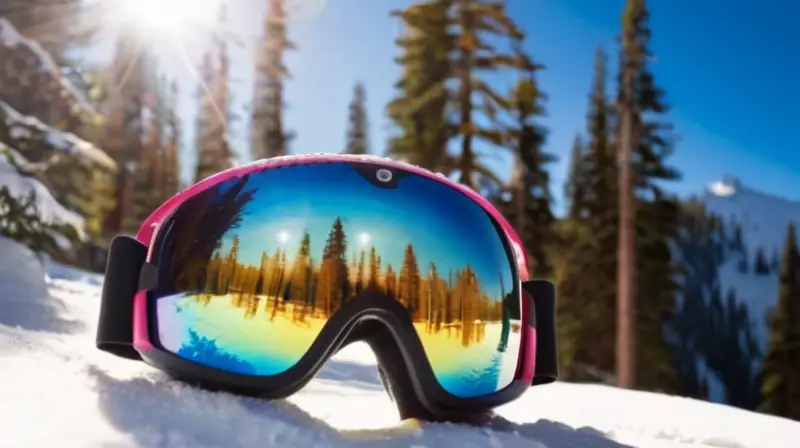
<point x="626" y="249"/>
<point x="466" y="162"/>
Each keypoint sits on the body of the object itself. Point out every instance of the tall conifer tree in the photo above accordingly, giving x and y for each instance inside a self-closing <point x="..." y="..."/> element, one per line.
<point x="268" y="136"/>
<point x="781" y="368"/>
<point x="358" y="126"/>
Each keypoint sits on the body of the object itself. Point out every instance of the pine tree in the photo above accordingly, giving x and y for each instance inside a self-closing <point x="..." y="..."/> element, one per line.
<point x="696" y="248"/>
<point x="301" y="274"/>
<point x="528" y="206"/>
<point x="656" y="291"/>
<point x="731" y="349"/>
<point x="357" y="132"/>
<point x="738" y="241"/>
<point x="475" y="21"/>
<point x="761" y="267"/>
<point x="190" y="254"/>
<point x="781" y="366"/>
<point x="419" y="113"/>
<point x="268" y="137"/>
<point x="631" y="62"/>
<point x="124" y="131"/>
<point x="738" y="247"/>
<point x="575" y="187"/>
<point x="391" y="282"/>
<point x="775" y="264"/>
<point x="334" y="277"/>
<point x="87" y="188"/>
<point x="570" y="263"/>
<point x="592" y="252"/>
<point x="448" y="41"/>
<point x="172" y="151"/>
<point x="32" y="88"/>
<point x="408" y="282"/>
<point x="214" y="153"/>
<point x="148" y="175"/>
<point x="374" y="270"/>
<point x="22" y="220"/>
<point x="644" y="143"/>
<point x="710" y="326"/>
<point x="361" y="280"/>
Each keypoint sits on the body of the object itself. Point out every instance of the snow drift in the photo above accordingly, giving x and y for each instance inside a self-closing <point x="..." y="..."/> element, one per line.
<point x="58" y="387"/>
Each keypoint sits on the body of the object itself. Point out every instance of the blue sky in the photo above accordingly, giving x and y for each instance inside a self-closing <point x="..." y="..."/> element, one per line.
<point x="422" y="212"/>
<point x="727" y="67"/>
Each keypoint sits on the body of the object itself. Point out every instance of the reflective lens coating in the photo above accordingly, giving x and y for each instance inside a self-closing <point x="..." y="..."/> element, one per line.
<point x="251" y="269"/>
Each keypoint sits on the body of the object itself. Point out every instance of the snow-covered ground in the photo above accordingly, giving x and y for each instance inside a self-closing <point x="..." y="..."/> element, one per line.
<point x="57" y="390"/>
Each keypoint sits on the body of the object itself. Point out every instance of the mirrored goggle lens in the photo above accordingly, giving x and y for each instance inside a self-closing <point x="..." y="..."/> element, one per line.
<point x="252" y="269"/>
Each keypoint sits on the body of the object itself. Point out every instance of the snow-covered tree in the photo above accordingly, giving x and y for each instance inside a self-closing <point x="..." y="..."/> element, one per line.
<point x="46" y="174"/>
<point x="38" y="104"/>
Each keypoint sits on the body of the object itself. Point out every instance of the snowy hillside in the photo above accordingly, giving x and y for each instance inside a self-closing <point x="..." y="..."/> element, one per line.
<point x="56" y="387"/>
<point x="763" y="219"/>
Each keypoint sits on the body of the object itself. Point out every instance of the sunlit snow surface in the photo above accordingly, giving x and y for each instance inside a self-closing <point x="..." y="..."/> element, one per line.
<point x="57" y="390"/>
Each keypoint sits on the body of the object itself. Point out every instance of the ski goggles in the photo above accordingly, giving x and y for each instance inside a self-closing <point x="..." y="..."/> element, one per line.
<point x="250" y="280"/>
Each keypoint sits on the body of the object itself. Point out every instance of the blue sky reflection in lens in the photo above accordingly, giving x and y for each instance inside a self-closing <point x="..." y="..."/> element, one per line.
<point x="311" y="237"/>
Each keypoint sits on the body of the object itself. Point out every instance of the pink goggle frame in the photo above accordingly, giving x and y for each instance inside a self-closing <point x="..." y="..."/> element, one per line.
<point x="149" y="228"/>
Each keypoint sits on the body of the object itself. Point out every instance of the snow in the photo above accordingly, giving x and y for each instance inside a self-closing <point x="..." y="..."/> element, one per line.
<point x="721" y="189"/>
<point x="12" y="39"/>
<point x="764" y="219"/>
<point x="58" y="387"/>
<point x="49" y="209"/>
<point x="22" y="127"/>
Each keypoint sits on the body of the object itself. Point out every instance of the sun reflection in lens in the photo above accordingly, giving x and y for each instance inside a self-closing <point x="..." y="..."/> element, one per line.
<point x="283" y="237"/>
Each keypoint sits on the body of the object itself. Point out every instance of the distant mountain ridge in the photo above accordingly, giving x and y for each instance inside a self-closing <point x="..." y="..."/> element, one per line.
<point x="763" y="219"/>
<point x="728" y="249"/>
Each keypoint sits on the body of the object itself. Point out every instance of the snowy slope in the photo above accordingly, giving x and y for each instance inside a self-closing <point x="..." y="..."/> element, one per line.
<point x="763" y="219"/>
<point x="58" y="390"/>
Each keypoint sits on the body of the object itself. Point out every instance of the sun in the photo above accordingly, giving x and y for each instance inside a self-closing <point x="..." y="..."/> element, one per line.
<point x="172" y="17"/>
<point x="364" y="238"/>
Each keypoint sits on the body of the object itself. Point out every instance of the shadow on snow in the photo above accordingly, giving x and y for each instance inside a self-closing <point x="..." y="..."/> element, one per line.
<point x="157" y="412"/>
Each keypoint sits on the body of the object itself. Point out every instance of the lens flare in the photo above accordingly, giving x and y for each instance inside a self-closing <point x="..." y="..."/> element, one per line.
<point x="172" y="17"/>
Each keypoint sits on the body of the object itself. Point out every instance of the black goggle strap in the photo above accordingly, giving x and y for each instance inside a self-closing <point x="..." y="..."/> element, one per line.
<point x="543" y="295"/>
<point x="125" y="273"/>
